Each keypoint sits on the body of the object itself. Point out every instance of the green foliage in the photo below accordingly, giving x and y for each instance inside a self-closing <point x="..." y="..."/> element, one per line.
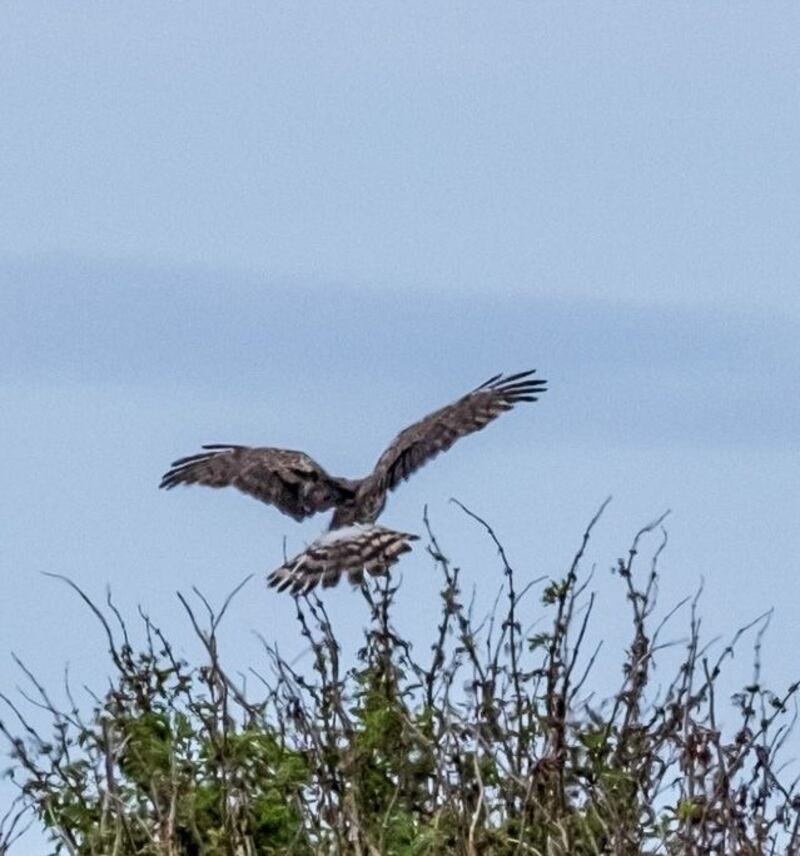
<point x="496" y="745"/>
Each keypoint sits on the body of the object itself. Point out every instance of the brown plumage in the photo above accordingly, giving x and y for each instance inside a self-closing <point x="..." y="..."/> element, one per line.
<point x="291" y="481"/>
<point x="298" y="486"/>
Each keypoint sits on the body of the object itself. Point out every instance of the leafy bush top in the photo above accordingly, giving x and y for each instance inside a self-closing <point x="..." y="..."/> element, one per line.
<point x="491" y="745"/>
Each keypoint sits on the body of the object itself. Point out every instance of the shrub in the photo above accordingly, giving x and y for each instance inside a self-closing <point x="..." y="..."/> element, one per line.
<point x="493" y="744"/>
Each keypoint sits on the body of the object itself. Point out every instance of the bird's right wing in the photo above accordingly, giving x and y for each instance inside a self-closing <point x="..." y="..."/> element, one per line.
<point x="291" y="481"/>
<point x="424" y="440"/>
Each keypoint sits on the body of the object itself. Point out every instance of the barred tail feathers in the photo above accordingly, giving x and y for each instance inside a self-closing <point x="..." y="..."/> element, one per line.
<point x="350" y="550"/>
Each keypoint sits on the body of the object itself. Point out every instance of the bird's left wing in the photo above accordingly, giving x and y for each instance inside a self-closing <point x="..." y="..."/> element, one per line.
<point x="437" y="432"/>
<point x="291" y="481"/>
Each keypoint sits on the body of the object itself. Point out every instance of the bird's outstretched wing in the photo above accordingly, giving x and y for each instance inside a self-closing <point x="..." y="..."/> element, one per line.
<point x="291" y="481"/>
<point x="351" y="550"/>
<point x="437" y="432"/>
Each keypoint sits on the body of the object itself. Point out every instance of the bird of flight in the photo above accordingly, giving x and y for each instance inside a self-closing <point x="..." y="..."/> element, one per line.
<point x="298" y="486"/>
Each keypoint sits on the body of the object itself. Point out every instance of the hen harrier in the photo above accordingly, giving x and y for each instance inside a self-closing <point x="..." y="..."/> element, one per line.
<point x="298" y="486"/>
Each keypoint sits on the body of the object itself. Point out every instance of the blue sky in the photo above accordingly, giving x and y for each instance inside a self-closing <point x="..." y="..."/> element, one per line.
<point x="307" y="225"/>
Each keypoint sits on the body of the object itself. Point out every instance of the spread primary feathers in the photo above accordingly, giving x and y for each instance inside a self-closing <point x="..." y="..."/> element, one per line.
<point x="298" y="486"/>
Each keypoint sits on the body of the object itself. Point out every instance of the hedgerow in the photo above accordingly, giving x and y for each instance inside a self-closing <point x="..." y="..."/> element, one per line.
<point x="490" y="742"/>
